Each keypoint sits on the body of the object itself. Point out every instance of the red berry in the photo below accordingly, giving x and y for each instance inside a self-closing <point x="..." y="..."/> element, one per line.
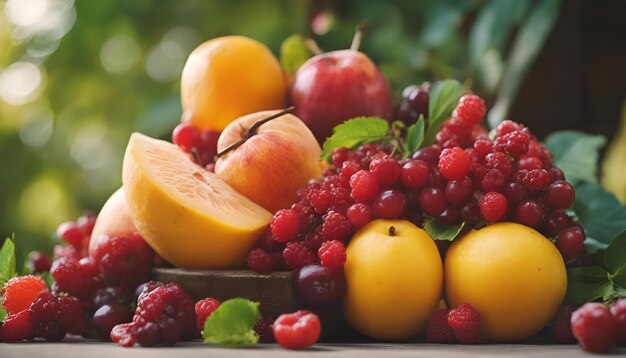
<point x="514" y="192"/>
<point x="364" y="186"/>
<point x="492" y="181"/>
<point x="320" y="200"/>
<point x="19" y="292"/>
<point x="319" y="285"/>
<point x="482" y="147"/>
<point x="297" y="254"/>
<point x="514" y="143"/>
<point x="430" y="154"/>
<point x="438" y="330"/>
<point x="386" y="169"/>
<point x="432" y="201"/>
<point x="536" y="179"/>
<point x="470" y="110"/>
<point x="563" y="326"/>
<point x="570" y="241"/>
<point x="348" y="169"/>
<point x="556" y="174"/>
<point x="450" y="216"/>
<point x="339" y="155"/>
<point x="529" y="213"/>
<point x="500" y="161"/>
<point x="203" y="309"/>
<point x="187" y="136"/>
<point x="39" y="261"/>
<point x="471" y="213"/>
<point x="389" y="204"/>
<point x="85" y="224"/>
<point x="560" y="195"/>
<point x="332" y="254"/>
<point x="72" y="315"/>
<point x="78" y="278"/>
<point x="466" y="323"/>
<point x="414" y="174"/>
<point x="18" y="327"/>
<point x="454" y="163"/>
<point x="71" y="234"/>
<point x="359" y="215"/>
<point x="507" y="126"/>
<point x="297" y="330"/>
<point x="529" y="163"/>
<point x="263" y="328"/>
<point x="594" y="327"/>
<point x="459" y="191"/>
<point x="109" y="316"/>
<point x="557" y="221"/>
<point x="493" y="206"/>
<point x="260" y="260"/>
<point x="418" y="98"/>
<point x="285" y="225"/>
<point x="618" y="310"/>
<point x="336" y="227"/>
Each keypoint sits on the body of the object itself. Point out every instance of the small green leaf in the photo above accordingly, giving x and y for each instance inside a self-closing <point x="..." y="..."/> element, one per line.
<point x="576" y="154"/>
<point x="232" y="323"/>
<point x="7" y="260"/>
<point x="615" y="256"/>
<point x="602" y="215"/>
<point x="414" y="137"/>
<point x="440" y="231"/>
<point x="585" y="284"/>
<point x="354" y="132"/>
<point x="293" y="53"/>
<point x="444" y="96"/>
<point x="3" y="313"/>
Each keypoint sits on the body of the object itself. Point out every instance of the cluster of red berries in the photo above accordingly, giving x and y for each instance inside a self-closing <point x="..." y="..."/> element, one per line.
<point x="200" y="144"/>
<point x="461" y="324"/>
<point x="598" y="327"/>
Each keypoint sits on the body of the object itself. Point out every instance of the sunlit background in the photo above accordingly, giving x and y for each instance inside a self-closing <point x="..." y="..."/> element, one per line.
<point x="77" y="77"/>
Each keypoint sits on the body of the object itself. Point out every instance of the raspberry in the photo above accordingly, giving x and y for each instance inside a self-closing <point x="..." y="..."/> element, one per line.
<point x="86" y="224"/>
<point x="204" y="308"/>
<point x="320" y="200"/>
<point x="66" y="252"/>
<point x="72" y="314"/>
<point x="260" y="260"/>
<point x="336" y="227"/>
<point x="470" y="110"/>
<point x="297" y="254"/>
<point x="297" y="330"/>
<point x="341" y="199"/>
<point x="71" y="234"/>
<point x="492" y="181"/>
<point x="54" y="316"/>
<point x="263" y="328"/>
<point x="332" y="254"/>
<point x="493" y="206"/>
<point x="618" y="310"/>
<point x="570" y="242"/>
<point x="466" y="323"/>
<point x="507" y="126"/>
<point x="483" y="147"/>
<point x="77" y="278"/>
<point x="18" y="327"/>
<point x="359" y="215"/>
<point x="500" y="161"/>
<point x="560" y="195"/>
<point x="454" y="163"/>
<point x="348" y="169"/>
<point x="314" y="240"/>
<point x="563" y="326"/>
<point x="386" y="169"/>
<point x="594" y="327"/>
<point x="19" y="292"/>
<point x="438" y="329"/>
<point x="39" y="262"/>
<point x="339" y="156"/>
<point x="364" y="186"/>
<point x="536" y="179"/>
<point x="514" y="143"/>
<point x="414" y="174"/>
<point x="285" y="225"/>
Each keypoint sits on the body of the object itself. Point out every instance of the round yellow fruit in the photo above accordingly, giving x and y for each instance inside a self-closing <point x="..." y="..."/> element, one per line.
<point x="394" y="282"/>
<point x="188" y="215"/>
<point x="511" y="274"/>
<point x="227" y="77"/>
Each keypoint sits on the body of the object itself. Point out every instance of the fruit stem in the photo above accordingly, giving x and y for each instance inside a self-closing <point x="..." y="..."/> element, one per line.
<point x="392" y="231"/>
<point x="358" y="35"/>
<point x="252" y="131"/>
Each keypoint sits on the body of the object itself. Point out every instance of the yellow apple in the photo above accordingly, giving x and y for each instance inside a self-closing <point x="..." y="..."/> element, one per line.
<point x="273" y="162"/>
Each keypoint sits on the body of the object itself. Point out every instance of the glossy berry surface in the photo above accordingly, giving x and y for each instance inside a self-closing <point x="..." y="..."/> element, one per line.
<point x="389" y="204"/>
<point x="39" y="261"/>
<point x="298" y="330"/>
<point x="319" y="285"/>
<point x="359" y="215"/>
<point x="618" y="311"/>
<point x="594" y="327"/>
<point x="560" y="195"/>
<point x="415" y="174"/>
<point x="107" y="317"/>
<point x="570" y="242"/>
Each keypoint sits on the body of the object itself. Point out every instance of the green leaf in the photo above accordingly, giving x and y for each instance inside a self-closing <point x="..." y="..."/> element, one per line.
<point x="576" y="154"/>
<point x="440" y="231"/>
<point x="232" y="323"/>
<point x="354" y="132"/>
<point x="602" y="215"/>
<point x="444" y="96"/>
<point x="7" y="260"/>
<point x="615" y="256"/>
<point x="585" y="284"/>
<point x="293" y="53"/>
<point x="592" y="245"/>
<point x="3" y="313"/>
<point x="414" y="137"/>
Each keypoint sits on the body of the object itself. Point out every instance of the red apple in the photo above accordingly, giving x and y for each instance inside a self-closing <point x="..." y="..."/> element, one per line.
<point x="335" y="86"/>
<point x="113" y="220"/>
<point x="275" y="160"/>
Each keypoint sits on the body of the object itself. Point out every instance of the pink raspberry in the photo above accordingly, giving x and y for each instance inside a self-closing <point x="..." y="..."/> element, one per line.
<point x="332" y="254"/>
<point x="297" y="254"/>
<point x="364" y="185"/>
<point x="386" y="169"/>
<point x="260" y="260"/>
<point x="438" y="329"/>
<point x="336" y="227"/>
<point x="470" y="110"/>
<point x="285" y="225"/>
<point x="204" y="308"/>
<point x="466" y="323"/>
<point x="320" y="200"/>
<point x="454" y="163"/>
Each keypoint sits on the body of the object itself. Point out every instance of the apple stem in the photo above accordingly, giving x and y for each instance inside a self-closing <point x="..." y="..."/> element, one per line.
<point x="252" y="131"/>
<point x="358" y="35"/>
<point x="392" y="231"/>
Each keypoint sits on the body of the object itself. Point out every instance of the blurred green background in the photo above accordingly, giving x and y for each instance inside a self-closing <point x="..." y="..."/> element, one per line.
<point x="77" y="77"/>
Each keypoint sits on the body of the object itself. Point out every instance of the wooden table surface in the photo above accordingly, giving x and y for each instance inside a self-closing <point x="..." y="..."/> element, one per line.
<point x="94" y="349"/>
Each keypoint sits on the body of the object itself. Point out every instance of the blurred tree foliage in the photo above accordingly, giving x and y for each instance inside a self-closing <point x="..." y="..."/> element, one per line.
<point x="78" y="77"/>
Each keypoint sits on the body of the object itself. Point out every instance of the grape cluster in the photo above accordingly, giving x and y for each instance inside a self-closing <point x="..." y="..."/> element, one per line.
<point x="200" y="144"/>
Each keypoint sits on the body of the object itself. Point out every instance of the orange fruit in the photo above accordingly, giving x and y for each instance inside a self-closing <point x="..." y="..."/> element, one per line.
<point x="188" y="215"/>
<point x="511" y="274"/>
<point x="227" y="77"/>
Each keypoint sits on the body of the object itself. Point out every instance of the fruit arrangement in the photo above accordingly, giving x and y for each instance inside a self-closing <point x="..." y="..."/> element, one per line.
<point x="416" y="220"/>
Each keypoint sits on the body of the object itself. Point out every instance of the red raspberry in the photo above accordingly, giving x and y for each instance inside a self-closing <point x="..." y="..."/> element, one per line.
<point x="204" y="308"/>
<point x="563" y="326"/>
<point x="268" y="243"/>
<point x="54" y="316"/>
<point x="260" y="261"/>
<point x="618" y="310"/>
<point x="71" y="234"/>
<point x="263" y="328"/>
<point x="348" y="169"/>
<point x="386" y="169"/>
<point x="18" y="327"/>
<point x="359" y="215"/>
<point x="86" y="224"/>
<point x="320" y="200"/>
<point x="537" y="180"/>
<point x="314" y="240"/>
<point x="341" y="199"/>
<point x="297" y="330"/>
<point x="297" y="254"/>
<point x="482" y="147"/>
<point x="514" y="143"/>
<point x="415" y="174"/>
<point x="466" y="323"/>
<point x="339" y="155"/>
<point x="336" y="227"/>
<point x="19" y="292"/>
<point x="72" y="315"/>
<point x="594" y="327"/>
<point x="66" y="252"/>
<point x="492" y="181"/>
<point x="493" y="206"/>
<point x="364" y="186"/>
<point x="78" y="278"/>
<point x="438" y="329"/>
<point x="500" y="161"/>
<point x="39" y="261"/>
<point x="332" y="254"/>
<point x="285" y="225"/>
<point x="454" y="163"/>
<point x="507" y="126"/>
<point x="470" y="110"/>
